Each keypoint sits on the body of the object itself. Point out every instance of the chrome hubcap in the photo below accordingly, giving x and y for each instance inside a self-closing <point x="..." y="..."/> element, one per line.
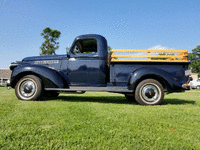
<point x="150" y="93"/>
<point x="27" y="88"/>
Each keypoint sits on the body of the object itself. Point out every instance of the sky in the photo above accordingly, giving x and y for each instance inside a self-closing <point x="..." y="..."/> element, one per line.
<point x="127" y="24"/>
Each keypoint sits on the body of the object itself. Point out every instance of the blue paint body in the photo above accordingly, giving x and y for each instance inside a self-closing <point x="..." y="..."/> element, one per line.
<point x="171" y="74"/>
<point x="91" y="70"/>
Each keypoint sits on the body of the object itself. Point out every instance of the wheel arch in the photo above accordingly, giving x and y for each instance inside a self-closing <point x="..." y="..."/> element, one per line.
<point x="21" y="75"/>
<point x="50" y="78"/>
<point x="162" y="81"/>
<point x="167" y="81"/>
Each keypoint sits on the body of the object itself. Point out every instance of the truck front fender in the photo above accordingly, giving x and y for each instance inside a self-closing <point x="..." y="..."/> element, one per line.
<point x="50" y="78"/>
<point x="166" y="79"/>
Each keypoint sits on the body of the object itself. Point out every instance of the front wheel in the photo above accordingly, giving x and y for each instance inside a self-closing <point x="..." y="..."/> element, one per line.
<point x="198" y="87"/>
<point x="149" y="92"/>
<point x="28" y="88"/>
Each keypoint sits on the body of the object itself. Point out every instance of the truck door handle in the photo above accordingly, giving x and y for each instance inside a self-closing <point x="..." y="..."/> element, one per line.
<point x="95" y="56"/>
<point x="72" y="59"/>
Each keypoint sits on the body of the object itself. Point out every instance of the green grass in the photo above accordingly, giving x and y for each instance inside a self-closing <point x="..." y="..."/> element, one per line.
<point x="99" y="120"/>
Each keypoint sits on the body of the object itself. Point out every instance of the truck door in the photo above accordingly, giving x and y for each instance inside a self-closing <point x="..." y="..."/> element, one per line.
<point x="84" y="64"/>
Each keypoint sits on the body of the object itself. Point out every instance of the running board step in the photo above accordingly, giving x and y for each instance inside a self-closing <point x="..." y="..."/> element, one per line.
<point x="102" y="89"/>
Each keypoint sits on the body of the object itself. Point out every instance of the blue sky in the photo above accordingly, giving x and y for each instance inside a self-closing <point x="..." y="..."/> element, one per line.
<point x="128" y="24"/>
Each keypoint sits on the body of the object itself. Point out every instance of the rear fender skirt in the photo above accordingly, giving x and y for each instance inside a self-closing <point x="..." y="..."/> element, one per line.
<point x="160" y="75"/>
<point x="50" y="78"/>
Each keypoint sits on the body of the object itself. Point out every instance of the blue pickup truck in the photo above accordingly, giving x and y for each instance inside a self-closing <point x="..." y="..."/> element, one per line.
<point x="86" y="67"/>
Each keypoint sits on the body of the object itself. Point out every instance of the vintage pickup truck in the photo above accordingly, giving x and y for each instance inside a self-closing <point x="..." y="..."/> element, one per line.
<point x="141" y="75"/>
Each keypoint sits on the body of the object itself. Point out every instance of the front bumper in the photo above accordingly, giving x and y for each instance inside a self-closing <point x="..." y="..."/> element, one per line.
<point x="8" y="85"/>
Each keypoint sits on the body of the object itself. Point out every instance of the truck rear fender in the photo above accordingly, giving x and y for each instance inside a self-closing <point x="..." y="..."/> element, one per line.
<point x="50" y="78"/>
<point x="167" y="80"/>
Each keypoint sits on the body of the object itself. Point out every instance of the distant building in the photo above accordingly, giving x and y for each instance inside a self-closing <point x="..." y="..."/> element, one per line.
<point x="194" y="76"/>
<point x="4" y="75"/>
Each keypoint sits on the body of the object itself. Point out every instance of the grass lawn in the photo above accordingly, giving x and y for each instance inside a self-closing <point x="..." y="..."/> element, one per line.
<point x="99" y="120"/>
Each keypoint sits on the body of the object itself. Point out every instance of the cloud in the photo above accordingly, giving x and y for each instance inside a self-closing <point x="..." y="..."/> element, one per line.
<point x="159" y="47"/>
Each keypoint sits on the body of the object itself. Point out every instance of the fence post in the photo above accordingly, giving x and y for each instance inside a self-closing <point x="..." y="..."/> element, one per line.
<point x="149" y="54"/>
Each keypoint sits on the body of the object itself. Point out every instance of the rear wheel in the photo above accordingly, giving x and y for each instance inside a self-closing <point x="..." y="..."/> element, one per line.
<point x="28" y="88"/>
<point x="149" y="92"/>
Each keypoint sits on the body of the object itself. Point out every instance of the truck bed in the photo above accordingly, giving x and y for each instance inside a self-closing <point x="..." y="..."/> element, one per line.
<point x="126" y="61"/>
<point x="120" y="71"/>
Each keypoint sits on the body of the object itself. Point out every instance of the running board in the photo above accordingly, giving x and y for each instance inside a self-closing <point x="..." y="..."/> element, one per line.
<point x="120" y="89"/>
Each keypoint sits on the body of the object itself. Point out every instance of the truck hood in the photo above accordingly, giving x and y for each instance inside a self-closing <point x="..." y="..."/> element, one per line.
<point x="29" y="60"/>
<point x="50" y="57"/>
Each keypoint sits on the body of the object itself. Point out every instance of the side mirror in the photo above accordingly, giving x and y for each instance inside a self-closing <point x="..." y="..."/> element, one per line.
<point x="68" y="56"/>
<point x="67" y="51"/>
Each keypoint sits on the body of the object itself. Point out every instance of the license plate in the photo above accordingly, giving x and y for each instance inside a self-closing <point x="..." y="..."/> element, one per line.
<point x="188" y="72"/>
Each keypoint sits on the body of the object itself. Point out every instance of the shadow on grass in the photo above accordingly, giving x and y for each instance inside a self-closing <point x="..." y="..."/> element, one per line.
<point x="102" y="99"/>
<point x="113" y="99"/>
<point x="177" y="101"/>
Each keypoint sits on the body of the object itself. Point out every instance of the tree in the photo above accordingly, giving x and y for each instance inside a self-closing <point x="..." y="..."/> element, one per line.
<point x="67" y="49"/>
<point x="49" y="46"/>
<point x="109" y="54"/>
<point x="194" y="57"/>
<point x="160" y="58"/>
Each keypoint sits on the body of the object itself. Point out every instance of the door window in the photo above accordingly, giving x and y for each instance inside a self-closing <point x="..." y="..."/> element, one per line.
<point x="85" y="47"/>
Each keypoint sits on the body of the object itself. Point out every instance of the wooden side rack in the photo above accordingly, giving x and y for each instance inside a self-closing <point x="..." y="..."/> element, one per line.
<point x="149" y="55"/>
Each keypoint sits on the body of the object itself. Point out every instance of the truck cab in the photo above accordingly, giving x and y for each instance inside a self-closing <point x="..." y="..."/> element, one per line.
<point x="85" y="64"/>
<point x="87" y="67"/>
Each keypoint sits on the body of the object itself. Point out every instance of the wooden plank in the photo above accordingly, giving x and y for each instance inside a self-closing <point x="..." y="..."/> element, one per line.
<point x="174" y="56"/>
<point x="150" y="56"/>
<point x="152" y="51"/>
<point x="149" y="60"/>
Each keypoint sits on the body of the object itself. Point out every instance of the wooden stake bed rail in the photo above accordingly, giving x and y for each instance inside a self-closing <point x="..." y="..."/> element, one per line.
<point x="149" y="55"/>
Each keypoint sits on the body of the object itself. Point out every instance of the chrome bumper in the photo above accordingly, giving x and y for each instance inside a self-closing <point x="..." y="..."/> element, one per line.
<point x="8" y="86"/>
<point x="186" y="86"/>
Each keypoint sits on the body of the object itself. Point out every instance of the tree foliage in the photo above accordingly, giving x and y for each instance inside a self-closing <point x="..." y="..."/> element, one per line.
<point x="194" y="57"/>
<point x="67" y="49"/>
<point x="109" y="54"/>
<point x="161" y="58"/>
<point x="49" y="46"/>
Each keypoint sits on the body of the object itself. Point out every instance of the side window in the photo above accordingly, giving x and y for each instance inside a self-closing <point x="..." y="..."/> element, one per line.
<point x="85" y="46"/>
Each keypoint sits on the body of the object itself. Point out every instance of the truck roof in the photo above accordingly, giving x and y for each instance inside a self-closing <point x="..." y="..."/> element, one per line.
<point x="102" y="46"/>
